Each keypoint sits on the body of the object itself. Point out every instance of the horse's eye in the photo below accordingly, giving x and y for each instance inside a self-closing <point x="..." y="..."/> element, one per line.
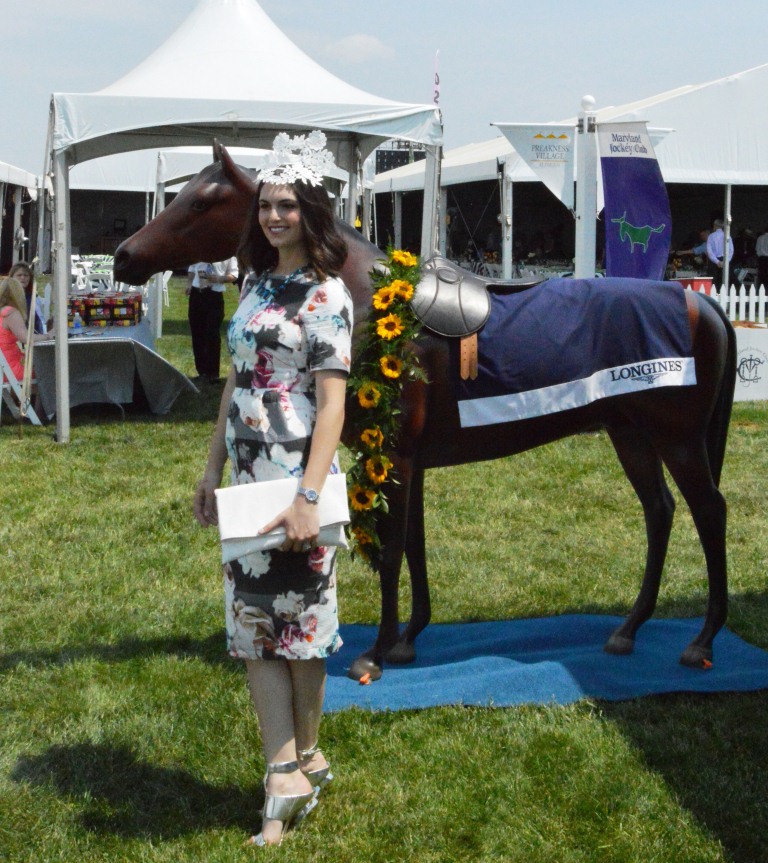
<point x="199" y="206"/>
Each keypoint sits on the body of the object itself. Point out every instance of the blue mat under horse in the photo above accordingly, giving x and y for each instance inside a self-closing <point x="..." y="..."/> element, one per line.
<point x="543" y="660"/>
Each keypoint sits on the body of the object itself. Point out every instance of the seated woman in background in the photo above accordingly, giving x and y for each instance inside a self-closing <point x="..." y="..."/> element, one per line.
<point x="24" y="274"/>
<point x="13" y="324"/>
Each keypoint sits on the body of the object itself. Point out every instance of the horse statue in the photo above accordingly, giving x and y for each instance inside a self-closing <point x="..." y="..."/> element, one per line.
<point x="683" y="428"/>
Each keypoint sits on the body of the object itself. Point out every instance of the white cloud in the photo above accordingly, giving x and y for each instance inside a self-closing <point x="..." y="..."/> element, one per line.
<point x="357" y="49"/>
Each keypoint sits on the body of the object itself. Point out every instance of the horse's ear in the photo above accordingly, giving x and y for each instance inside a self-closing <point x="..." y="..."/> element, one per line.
<point x="236" y="175"/>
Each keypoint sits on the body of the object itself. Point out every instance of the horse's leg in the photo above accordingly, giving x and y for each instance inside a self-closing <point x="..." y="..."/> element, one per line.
<point x="689" y="467"/>
<point x="415" y="553"/>
<point x="392" y="531"/>
<point x="643" y="468"/>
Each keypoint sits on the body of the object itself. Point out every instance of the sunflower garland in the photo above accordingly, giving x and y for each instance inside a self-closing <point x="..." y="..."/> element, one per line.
<point x="384" y="364"/>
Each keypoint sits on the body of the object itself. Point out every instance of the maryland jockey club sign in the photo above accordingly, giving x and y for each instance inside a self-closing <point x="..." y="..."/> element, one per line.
<point x="638" y="223"/>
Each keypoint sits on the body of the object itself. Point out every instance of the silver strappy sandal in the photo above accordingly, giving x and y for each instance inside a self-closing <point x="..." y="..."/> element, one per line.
<point x="290" y="809"/>
<point x="318" y="778"/>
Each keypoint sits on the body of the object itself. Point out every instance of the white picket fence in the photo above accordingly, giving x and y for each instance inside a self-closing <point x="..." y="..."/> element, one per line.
<point x="740" y="303"/>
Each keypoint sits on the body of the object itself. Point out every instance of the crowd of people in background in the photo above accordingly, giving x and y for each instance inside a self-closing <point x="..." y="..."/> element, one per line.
<point x="747" y="254"/>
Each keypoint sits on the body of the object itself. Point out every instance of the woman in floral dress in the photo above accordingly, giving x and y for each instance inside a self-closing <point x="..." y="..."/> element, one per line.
<point x="281" y="415"/>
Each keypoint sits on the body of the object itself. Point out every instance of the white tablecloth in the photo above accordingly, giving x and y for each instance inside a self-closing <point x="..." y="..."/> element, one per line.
<point x="105" y="364"/>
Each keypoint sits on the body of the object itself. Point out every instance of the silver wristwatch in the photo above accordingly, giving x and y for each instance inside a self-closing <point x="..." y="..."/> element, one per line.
<point x="309" y="493"/>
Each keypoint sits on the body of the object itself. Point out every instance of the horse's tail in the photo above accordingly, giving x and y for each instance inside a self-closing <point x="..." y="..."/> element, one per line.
<point x="659" y="229"/>
<point x="717" y="432"/>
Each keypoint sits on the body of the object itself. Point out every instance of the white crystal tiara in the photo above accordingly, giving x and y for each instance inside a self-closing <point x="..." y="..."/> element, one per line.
<point x="302" y="157"/>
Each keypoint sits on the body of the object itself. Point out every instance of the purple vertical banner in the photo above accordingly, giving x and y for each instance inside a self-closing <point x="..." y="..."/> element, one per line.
<point x="638" y="222"/>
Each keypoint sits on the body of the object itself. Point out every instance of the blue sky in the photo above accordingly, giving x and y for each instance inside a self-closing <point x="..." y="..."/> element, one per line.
<point x="500" y="60"/>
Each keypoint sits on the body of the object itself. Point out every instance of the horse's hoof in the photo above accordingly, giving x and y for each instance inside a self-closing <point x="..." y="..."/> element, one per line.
<point x="695" y="656"/>
<point x="619" y="645"/>
<point x="401" y="654"/>
<point x="364" y="669"/>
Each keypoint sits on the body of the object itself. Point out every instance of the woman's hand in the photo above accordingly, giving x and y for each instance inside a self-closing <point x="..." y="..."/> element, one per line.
<point x="302" y="525"/>
<point x="204" y="503"/>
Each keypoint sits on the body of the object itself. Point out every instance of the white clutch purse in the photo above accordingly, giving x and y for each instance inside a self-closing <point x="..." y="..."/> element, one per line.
<point x="244" y="509"/>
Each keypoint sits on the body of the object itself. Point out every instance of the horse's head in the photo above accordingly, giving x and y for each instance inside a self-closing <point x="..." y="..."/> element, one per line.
<point x="202" y="223"/>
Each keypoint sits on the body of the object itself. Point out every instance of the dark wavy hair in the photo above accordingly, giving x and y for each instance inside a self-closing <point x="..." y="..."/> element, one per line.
<point x="326" y="248"/>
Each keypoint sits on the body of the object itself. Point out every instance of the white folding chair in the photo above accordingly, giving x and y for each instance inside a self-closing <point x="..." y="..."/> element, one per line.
<point x="79" y="277"/>
<point x="11" y="388"/>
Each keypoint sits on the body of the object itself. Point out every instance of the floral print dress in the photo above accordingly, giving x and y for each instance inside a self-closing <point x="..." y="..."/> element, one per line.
<point x="282" y="604"/>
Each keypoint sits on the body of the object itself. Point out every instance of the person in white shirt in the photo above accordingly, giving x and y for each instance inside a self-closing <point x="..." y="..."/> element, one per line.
<point x="716" y="252"/>
<point x="206" y="284"/>
<point x="761" y="250"/>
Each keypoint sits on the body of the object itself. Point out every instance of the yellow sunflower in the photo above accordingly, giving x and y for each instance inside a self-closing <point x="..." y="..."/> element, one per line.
<point x="389" y="327"/>
<point x="362" y="536"/>
<point x="405" y="259"/>
<point x="391" y="366"/>
<point x="372" y="438"/>
<point x="377" y="468"/>
<point x="402" y="289"/>
<point x="368" y="395"/>
<point x="361" y="498"/>
<point x="384" y="297"/>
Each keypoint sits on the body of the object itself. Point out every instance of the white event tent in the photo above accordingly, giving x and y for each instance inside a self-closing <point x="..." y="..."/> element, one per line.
<point x="717" y="135"/>
<point x="183" y="94"/>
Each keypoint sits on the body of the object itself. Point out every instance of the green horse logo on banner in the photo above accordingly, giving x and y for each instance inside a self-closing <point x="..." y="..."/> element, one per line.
<point x="637" y="236"/>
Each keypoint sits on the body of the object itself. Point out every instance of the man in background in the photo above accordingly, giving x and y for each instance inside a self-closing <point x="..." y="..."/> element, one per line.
<point x="716" y="252"/>
<point x="206" y="284"/>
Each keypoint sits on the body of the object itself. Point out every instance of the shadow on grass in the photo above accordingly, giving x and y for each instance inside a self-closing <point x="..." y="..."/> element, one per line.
<point x="712" y="752"/>
<point x="750" y="607"/>
<point x="210" y="649"/>
<point x="188" y="406"/>
<point x="129" y="797"/>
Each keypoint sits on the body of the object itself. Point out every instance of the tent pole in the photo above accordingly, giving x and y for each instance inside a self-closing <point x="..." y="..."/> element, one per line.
<point x="586" y="190"/>
<point x="156" y="290"/>
<point x="727" y="236"/>
<point x="506" y="223"/>
<point x="442" y="233"/>
<point x="367" y="196"/>
<point x="397" y="219"/>
<point x="62" y="277"/>
<point x="18" y="248"/>
<point x="354" y="172"/>
<point x="431" y="198"/>
<point x="375" y="219"/>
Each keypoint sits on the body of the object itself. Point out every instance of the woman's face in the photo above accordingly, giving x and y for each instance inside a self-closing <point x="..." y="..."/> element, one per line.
<point x="280" y="217"/>
<point x="22" y="277"/>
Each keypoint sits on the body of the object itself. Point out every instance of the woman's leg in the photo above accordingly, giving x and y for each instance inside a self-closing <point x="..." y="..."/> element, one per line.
<point x="308" y="678"/>
<point x="272" y="692"/>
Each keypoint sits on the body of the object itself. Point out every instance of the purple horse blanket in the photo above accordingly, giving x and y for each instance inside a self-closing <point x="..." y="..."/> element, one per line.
<point x="569" y="342"/>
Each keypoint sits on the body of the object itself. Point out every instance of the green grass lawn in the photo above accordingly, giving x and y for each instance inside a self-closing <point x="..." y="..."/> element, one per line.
<point x="126" y="732"/>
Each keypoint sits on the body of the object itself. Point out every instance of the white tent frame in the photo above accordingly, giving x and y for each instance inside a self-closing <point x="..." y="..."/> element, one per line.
<point x="152" y="107"/>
